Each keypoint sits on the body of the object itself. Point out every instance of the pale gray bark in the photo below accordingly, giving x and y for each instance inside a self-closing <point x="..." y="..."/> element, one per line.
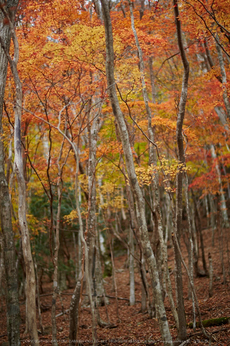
<point x="99" y="276"/>
<point x="140" y="210"/>
<point x="98" y="9"/>
<point x="13" y="312"/>
<point x="57" y="244"/>
<point x="18" y="161"/>
<point x="131" y="269"/>
<point x="94" y="124"/>
<point x="190" y="253"/>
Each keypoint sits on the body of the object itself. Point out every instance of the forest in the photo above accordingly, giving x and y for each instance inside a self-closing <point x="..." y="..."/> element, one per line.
<point x="114" y="172"/>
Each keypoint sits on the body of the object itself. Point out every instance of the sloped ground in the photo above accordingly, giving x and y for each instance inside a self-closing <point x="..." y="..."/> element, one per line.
<point x="130" y="325"/>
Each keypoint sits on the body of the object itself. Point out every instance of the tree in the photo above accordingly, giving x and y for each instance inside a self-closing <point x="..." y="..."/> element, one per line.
<point x="30" y="275"/>
<point x="143" y="231"/>
<point x="13" y="312"/>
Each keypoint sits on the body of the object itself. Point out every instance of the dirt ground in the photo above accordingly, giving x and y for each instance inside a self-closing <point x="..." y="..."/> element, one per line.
<point x="130" y="326"/>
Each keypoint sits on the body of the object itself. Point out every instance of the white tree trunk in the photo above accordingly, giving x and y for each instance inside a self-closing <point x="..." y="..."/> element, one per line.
<point x="18" y="161"/>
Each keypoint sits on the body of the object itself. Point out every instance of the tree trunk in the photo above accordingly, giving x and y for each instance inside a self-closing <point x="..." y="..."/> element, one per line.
<point x="13" y="312"/>
<point x="29" y="265"/>
<point x="85" y="254"/>
<point x="57" y="246"/>
<point x="210" y="291"/>
<point x="212" y="217"/>
<point x="152" y="161"/>
<point x="222" y="196"/>
<point x="224" y="76"/>
<point x="131" y="269"/>
<point x="179" y="178"/>
<point x="140" y="205"/>
<point x="74" y="313"/>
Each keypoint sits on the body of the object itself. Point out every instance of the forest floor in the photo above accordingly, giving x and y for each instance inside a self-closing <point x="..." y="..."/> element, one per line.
<point x="130" y="326"/>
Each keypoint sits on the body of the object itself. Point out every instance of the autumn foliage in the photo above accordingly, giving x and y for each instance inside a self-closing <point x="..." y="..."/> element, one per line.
<point x="66" y="100"/>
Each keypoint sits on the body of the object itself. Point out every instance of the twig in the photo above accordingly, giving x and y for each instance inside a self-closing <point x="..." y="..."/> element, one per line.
<point x="1" y="336"/>
<point x="62" y="313"/>
<point x="185" y="342"/>
<point x="70" y="294"/>
<point x="214" y="332"/>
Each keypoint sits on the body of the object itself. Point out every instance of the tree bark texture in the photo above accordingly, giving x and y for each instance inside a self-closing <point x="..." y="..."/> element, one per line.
<point x="140" y="205"/>
<point x="13" y="312"/>
<point x="57" y="246"/>
<point x="131" y="269"/>
<point x="18" y="161"/>
<point x="179" y="179"/>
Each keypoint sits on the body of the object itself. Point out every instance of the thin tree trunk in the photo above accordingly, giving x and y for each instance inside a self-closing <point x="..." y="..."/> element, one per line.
<point x="195" y="241"/>
<point x="38" y="295"/>
<point x="57" y="246"/>
<point x="190" y="253"/>
<point x="224" y="76"/>
<point x="114" y="279"/>
<point x="212" y="217"/>
<point x="153" y="89"/>
<point x="86" y="255"/>
<point x="222" y="196"/>
<point x="198" y="217"/>
<point x="210" y="291"/>
<point x="221" y="239"/>
<point x="179" y="178"/>
<point x="152" y="161"/>
<point x="145" y="302"/>
<point x="193" y="289"/>
<point x="131" y="269"/>
<point x="99" y="275"/>
<point x="143" y="230"/>
<point x="171" y="300"/>
<point x="74" y="310"/>
<point x="29" y="266"/>
<point x="74" y="313"/>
